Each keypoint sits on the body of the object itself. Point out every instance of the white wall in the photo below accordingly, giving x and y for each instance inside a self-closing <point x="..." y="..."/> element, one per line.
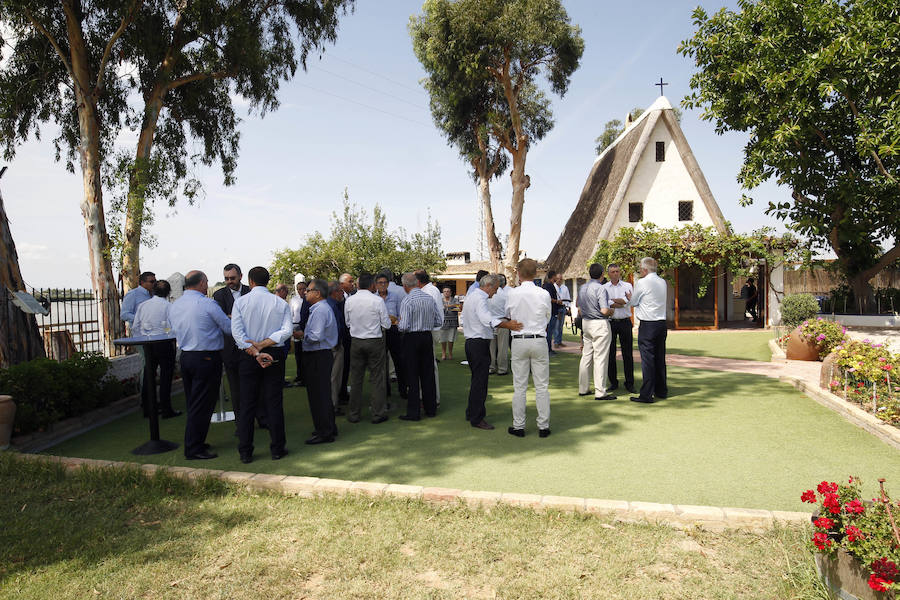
<point x="660" y="186"/>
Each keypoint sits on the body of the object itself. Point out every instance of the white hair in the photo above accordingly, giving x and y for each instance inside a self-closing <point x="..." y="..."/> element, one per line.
<point x="490" y="279"/>
<point x="649" y="264"/>
<point x="409" y="279"/>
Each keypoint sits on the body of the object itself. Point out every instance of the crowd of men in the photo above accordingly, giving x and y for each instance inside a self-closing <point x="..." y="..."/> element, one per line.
<point x="344" y="328"/>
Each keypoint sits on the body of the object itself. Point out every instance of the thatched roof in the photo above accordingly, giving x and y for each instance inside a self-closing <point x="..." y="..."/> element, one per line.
<point x="607" y="183"/>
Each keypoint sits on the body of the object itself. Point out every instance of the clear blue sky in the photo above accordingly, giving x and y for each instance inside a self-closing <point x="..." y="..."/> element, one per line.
<point x="359" y="119"/>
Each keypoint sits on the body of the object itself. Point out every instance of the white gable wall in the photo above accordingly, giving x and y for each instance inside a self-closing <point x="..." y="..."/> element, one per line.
<point x="660" y="186"/>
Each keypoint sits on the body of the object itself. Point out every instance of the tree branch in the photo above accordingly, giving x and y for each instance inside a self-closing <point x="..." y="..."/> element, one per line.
<point x="40" y="28"/>
<point x="886" y="259"/>
<point x="126" y="21"/>
<point x="199" y="76"/>
<point x="871" y="151"/>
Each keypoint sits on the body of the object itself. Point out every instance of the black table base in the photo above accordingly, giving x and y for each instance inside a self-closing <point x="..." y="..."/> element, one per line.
<point x="154" y="447"/>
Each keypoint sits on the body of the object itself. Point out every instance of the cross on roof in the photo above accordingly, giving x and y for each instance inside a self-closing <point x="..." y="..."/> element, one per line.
<point x="661" y="84"/>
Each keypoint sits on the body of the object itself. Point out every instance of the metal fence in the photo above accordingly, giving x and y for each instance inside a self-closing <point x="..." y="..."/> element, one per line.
<point x="74" y="311"/>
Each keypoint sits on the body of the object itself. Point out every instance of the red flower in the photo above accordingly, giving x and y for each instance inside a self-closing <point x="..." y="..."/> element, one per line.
<point x="878" y="584"/>
<point x="855" y="507"/>
<point x="826" y="487"/>
<point x="824" y="523"/>
<point x="808" y="496"/>
<point x="821" y="540"/>
<point x="884" y="568"/>
<point x="832" y="503"/>
<point x="853" y="534"/>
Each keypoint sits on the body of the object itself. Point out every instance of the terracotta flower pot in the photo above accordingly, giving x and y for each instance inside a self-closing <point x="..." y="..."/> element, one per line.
<point x="846" y="578"/>
<point x="801" y="348"/>
<point x="7" y="418"/>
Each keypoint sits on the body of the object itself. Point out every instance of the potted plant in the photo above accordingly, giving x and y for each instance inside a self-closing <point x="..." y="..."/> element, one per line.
<point x="857" y="543"/>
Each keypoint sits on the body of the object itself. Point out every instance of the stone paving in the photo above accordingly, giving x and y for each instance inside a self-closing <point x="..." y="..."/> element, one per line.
<point x="889" y="336"/>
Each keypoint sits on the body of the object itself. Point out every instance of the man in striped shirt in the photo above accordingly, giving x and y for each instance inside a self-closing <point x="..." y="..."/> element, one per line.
<point x="418" y="316"/>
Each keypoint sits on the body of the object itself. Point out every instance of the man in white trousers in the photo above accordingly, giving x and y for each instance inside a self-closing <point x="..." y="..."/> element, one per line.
<point x="593" y="305"/>
<point x="529" y="305"/>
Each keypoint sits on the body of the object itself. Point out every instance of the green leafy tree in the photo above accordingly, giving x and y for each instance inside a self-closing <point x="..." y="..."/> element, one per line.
<point x="189" y="56"/>
<point x="62" y="60"/>
<point x="613" y="129"/>
<point x="510" y="46"/>
<point x="815" y="84"/>
<point x="358" y="244"/>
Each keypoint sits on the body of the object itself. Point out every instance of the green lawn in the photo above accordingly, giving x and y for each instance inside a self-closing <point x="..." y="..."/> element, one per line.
<point x="119" y="534"/>
<point x="743" y="345"/>
<point x="720" y="439"/>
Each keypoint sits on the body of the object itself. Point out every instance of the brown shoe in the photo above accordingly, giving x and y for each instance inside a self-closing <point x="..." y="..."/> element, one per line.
<point x="483" y="425"/>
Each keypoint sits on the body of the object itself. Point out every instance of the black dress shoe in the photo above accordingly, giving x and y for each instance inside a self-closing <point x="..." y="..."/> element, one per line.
<point x="642" y="400"/>
<point x="202" y="455"/>
<point x="516" y="432"/>
<point x="380" y="419"/>
<point x="247" y="459"/>
<point x="170" y="414"/>
<point x="605" y="397"/>
<point x="584" y="393"/>
<point x="207" y="446"/>
<point x="612" y="387"/>
<point x="318" y="439"/>
<point x="544" y="432"/>
<point x="409" y="418"/>
<point x="353" y="419"/>
<point x="339" y="412"/>
<point x="630" y="388"/>
<point x="483" y="425"/>
<point x="434" y="414"/>
<point x="279" y="455"/>
<point x="663" y="396"/>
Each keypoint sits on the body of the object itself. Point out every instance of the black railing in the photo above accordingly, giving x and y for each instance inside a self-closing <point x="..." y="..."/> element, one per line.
<point x="73" y="322"/>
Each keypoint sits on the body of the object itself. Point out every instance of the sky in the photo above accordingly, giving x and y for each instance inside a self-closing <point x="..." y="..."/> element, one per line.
<point x="358" y="119"/>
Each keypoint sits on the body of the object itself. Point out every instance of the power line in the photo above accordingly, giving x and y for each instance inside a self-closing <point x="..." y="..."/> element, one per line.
<point x="353" y="81"/>
<point x="364" y="105"/>
<point x="370" y="72"/>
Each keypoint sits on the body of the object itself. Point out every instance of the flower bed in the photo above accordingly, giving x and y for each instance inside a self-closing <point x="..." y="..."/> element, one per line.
<point x="826" y="335"/>
<point x="864" y="374"/>
<point x="866" y="530"/>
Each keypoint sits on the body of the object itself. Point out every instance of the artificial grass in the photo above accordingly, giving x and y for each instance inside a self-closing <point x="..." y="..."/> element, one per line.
<point x="720" y="439"/>
<point x="113" y="533"/>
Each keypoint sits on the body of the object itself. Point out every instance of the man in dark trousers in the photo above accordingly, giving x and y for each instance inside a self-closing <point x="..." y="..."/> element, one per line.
<point x="199" y="323"/>
<point x="231" y="356"/>
<point x="620" y="327"/>
<point x="152" y="318"/>
<point x="419" y="315"/>
<point x="555" y="304"/>
<point x="260" y="323"/>
<point x="319" y="340"/>
<point x="649" y="302"/>
<point x="338" y="383"/>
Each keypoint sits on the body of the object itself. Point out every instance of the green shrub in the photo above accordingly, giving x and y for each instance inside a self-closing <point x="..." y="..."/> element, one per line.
<point x="826" y="335"/>
<point x="796" y="308"/>
<point x="47" y="391"/>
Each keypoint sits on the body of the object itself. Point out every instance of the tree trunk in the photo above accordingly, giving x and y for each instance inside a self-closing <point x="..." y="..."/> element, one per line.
<point x="484" y="193"/>
<point x="519" y="185"/>
<point x="137" y="194"/>
<point x="863" y="293"/>
<point x="20" y="340"/>
<point x="102" y="280"/>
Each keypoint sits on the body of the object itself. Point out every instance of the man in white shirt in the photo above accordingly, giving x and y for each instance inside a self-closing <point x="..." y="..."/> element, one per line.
<point x="261" y="321"/>
<point x="649" y="302"/>
<point x="529" y="305"/>
<point x="297" y="303"/>
<point x="479" y="322"/>
<point x="425" y="284"/>
<point x="152" y="318"/>
<point x="500" y="341"/>
<point x="367" y="318"/>
<point x="621" y="328"/>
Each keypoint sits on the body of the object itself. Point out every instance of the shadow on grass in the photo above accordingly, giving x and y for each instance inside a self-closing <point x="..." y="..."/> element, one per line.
<point x="399" y="452"/>
<point x="99" y="515"/>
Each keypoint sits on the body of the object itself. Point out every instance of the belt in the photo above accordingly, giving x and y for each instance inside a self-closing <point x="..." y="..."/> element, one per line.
<point x="528" y="336"/>
<point x="622" y="319"/>
<point x="201" y="351"/>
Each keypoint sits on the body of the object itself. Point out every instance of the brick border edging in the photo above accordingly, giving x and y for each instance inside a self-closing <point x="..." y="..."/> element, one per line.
<point x="850" y="412"/>
<point x="711" y="518"/>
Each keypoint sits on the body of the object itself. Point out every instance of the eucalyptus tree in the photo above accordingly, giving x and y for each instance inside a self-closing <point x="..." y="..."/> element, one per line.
<point x="815" y="84"/>
<point x="189" y="59"/>
<point x="512" y="47"/>
<point x="62" y="60"/>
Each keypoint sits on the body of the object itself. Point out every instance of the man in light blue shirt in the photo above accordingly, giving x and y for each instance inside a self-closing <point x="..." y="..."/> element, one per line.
<point x="152" y="318"/>
<point x="319" y="340"/>
<point x="418" y="317"/>
<point x="261" y="321"/>
<point x="594" y="308"/>
<point x="649" y="302"/>
<point x="135" y="297"/>
<point x="198" y="323"/>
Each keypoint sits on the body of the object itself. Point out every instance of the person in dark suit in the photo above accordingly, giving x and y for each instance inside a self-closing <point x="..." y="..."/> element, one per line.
<point x="231" y="356"/>
<point x="338" y="383"/>
<point x="555" y="304"/>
